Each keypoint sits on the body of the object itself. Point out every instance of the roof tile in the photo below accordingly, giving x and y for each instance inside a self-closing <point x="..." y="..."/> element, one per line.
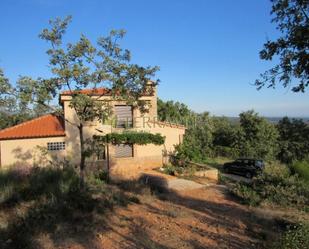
<point x="49" y="125"/>
<point x="93" y="91"/>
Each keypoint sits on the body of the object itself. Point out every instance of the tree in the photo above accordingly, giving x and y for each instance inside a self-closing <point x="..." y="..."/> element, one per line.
<point x="256" y="137"/>
<point x="80" y="65"/>
<point x="12" y="112"/>
<point x="175" y="112"/>
<point x="224" y="136"/>
<point x="293" y="140"/>
<point x="292" y="18"/>
<point x="197" y="142"/>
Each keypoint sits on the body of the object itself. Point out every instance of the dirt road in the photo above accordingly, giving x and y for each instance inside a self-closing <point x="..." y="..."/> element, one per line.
<point x="203" y="218"/>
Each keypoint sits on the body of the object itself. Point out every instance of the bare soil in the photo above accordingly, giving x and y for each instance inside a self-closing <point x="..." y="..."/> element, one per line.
<point x="202" y="218"/>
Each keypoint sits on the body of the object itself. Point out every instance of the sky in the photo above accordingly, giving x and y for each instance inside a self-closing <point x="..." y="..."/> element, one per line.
<point x="207" y="50"/>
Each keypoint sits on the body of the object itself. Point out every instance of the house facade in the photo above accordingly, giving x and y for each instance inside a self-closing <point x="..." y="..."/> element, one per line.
<point x="51" y="138"/>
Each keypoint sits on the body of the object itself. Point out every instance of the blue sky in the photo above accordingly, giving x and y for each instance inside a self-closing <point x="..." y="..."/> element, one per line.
<point x="207" y="50"/>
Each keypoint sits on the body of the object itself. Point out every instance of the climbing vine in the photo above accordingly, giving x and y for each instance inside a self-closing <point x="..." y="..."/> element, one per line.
<point x="140" y="138"/>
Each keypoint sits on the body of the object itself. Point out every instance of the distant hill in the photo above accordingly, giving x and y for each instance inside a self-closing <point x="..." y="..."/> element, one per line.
<point x="274" y="120"/>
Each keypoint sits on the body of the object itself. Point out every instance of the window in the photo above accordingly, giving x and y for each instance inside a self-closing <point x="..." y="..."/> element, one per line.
<point x="124" y="116"/>
<point x="124" y="150"/>
<point x="56" y="146"/>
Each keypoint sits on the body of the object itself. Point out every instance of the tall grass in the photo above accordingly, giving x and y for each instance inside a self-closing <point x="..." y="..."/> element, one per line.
<point x="302" y="169"/>
<point x="53" y="198"/>
<point x="22" y="184"/>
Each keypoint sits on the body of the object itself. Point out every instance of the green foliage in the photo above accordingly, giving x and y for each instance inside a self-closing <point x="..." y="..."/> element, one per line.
<point x="256" y="137"/>
<point x="292" y="19"/>
<point x="293" y="140"/>
<point x="30" y="183"/>
<point x="276" y="185"/>
<point x="296" y="237"/>
<point x="246" y="193"/>
<point x="253" y="137"/>
<point x="89" y="110"/>
<point x="224" y="132"/>
<point x="172" y="170"/>
<point x="301" y="168"/>
<point x="175" y="112"/>
<point x="132" y="137"/>
<point x="197" y="143"/>
<point x="8" y="120"/>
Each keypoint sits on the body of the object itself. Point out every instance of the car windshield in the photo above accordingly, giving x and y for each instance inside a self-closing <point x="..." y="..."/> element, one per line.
<point x="259" y="163"/>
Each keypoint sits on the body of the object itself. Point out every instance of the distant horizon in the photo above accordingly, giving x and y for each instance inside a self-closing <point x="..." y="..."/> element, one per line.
<point x="297" y="117"/>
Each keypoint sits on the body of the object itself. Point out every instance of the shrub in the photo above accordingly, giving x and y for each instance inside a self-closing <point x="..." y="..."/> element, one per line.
<point x="27" y="184"/>
<point x="276" y="185"/>
<point x="170" y="169"/>
<point x="247" y="194"/>
<point x="301" y="168"/>
<point x="225" y="151"/>
<point x="296" y="237"/>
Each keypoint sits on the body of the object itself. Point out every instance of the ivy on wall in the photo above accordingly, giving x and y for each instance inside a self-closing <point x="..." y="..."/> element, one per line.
<point x="140" y="138"/>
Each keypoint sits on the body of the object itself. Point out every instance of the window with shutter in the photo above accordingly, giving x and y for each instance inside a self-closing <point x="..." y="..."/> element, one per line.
<point x="124" y="150"/>
<point x="124" y="116"/>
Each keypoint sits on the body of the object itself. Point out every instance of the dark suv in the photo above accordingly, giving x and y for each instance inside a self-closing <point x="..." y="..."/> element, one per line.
<point x="244" y="166"/>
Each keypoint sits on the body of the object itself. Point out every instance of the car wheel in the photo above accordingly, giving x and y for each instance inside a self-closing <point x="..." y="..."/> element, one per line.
<point x="248" y="175"/>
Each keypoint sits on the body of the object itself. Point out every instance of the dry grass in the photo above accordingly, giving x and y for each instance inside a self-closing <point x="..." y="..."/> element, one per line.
<point x="131" y="215"/>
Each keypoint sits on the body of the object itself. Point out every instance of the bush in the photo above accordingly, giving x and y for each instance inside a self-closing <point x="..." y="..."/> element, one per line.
<point x="276" y="185"/>
<point x="297" y="237"/>
<point x="224" y="151"/>
<point x="247" y="194"/>
<point x="171" y="170"/>
<point x="301" y="168"/>
<point x="33" y="183"/>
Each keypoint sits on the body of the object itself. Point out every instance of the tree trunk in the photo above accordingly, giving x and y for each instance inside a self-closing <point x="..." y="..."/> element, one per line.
<point x="107" y="160"/>
<point x="82" y="156"/>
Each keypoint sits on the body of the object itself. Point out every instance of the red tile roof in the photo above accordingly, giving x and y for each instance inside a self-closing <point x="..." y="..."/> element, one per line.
<point x="94" y="91"/>
<point x="45" y="126"/>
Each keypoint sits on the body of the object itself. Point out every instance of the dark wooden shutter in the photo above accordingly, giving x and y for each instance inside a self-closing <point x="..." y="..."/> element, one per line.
<point x="124" y="116"/>
<point x="124" y="150"/>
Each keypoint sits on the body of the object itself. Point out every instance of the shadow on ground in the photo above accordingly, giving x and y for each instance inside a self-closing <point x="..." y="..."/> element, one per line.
<point x="48" y="210"/>
<point x="221" y="219"/>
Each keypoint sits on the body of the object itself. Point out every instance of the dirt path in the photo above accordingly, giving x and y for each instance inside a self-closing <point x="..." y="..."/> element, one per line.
<point x="203" y="218"/>
<point x="193" y="219"/>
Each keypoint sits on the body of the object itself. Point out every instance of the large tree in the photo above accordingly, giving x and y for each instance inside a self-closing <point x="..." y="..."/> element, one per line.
<point x="79" y="65"/>
<point x="12" y="111"/>
<point x="256" y="137"/>
<point x="175" y="112"/>
<point x="197" y="142"/>
<point x="293" y="140"/>
<point x="291" y="48"/>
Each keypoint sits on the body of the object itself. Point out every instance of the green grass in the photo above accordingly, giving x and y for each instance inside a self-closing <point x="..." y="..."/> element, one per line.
<point x="302" y="169"/>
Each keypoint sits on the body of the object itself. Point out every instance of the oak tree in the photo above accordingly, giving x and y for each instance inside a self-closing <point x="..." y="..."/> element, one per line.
<point x="291" y="48"/>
